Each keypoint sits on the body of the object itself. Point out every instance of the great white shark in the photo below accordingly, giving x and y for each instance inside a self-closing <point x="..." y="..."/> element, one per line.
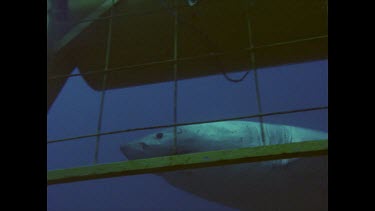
<point x="288" y="184"/>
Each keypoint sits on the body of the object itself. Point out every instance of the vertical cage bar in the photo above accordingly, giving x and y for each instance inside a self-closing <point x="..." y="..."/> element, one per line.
<point x="175" y="71"/>
<point x="104" y="84"/>
<point x="254" y="67"/>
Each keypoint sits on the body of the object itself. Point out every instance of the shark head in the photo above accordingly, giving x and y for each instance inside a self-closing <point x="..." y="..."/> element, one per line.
<point x="153" y="145"/>
<point x="161" y="143"/>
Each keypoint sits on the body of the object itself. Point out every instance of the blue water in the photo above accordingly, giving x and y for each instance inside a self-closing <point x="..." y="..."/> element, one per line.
<point x="75" y="113"/>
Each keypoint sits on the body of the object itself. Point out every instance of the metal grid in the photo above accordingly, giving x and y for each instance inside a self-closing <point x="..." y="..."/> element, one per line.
<point x="252" y="49"/>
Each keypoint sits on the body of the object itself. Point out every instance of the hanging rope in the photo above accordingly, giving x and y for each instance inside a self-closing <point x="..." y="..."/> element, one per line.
<point x="235" y="80"/>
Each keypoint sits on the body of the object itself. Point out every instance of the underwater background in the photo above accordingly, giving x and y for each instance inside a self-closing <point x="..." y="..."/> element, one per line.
<point x="76" y="112"/>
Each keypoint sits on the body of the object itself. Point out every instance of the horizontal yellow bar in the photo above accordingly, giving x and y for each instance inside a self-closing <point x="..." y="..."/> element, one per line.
<point x="187" y="161"/>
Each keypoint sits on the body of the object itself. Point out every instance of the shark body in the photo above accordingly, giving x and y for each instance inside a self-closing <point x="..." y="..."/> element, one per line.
<point x="288" y="184"/>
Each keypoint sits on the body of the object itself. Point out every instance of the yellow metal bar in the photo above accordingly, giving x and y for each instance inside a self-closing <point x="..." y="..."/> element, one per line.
<point x="187" y="161"/>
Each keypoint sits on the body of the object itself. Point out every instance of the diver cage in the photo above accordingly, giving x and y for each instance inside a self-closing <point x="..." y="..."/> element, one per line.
<point x="118" y="69"/>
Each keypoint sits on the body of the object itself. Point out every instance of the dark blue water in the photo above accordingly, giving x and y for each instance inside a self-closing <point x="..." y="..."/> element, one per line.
<point x="76" y="111"/>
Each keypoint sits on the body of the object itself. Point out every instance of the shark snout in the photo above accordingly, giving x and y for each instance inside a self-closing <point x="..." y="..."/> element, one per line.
<point x="133" y="150"/>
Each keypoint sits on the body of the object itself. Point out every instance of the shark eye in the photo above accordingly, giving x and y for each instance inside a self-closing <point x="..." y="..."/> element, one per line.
<point x="159" y="135"/>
